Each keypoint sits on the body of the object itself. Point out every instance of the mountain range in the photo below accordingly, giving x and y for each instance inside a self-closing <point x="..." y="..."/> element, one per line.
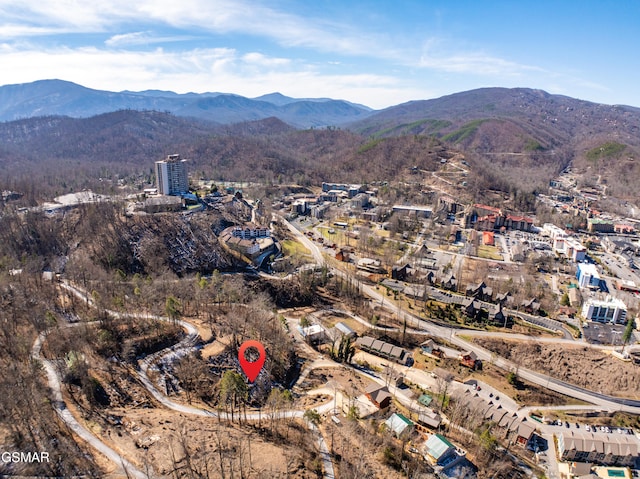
<point x="509" y="136"/>
<point x="57" y="97"/>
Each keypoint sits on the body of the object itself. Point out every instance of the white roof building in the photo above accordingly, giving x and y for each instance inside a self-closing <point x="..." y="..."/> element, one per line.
<point x="611" y="310"/>
<point x="588" y="276"/>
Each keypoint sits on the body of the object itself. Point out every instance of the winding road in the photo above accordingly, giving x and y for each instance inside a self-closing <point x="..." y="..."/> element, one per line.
<point x="191" y="338"/>
<point x="418" y="325"/>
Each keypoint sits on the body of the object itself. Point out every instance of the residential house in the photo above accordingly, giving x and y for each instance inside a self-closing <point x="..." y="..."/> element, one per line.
<point x="449" y="282"/>
<point x="522" y="432"/>
<point x="431" y="347"/>
<point x="469" y="359"/>
<point x="342" y="255"/>
<point x="440" y="452"/>
<point x="428" y="417"/>
<point x="531" y="306"/>
<point x="400" y="273"/>
<point x="505" y="299"/>
<point x="575" y="298"/>
<point x="370" y="265"/>
<point x="378" y="395"/>
<point x="443" y="374"/>
<point x="471" y="308"/>
<point x="344" y="330"/>
<point x="313" y="334"/>
<point x="399" y="425"/>
<point x="518" y="252"/>
<point x="567" y="311"/>
<point x="385" y="350"/>
<point x="497" y="316"/>
<point x="595" y="447"/>
<point x="480" y="291"/>
<point x="430" y="278"/>
<point x="422" y="252"/>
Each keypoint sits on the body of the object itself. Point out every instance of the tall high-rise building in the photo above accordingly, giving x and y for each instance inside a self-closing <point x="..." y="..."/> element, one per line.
<point x="171" y="176"/>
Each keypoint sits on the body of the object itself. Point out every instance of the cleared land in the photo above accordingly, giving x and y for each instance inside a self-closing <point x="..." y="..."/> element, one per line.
<point x="586" y="367"/>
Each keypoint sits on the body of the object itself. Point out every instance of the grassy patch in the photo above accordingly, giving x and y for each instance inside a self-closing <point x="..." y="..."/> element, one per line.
<point x="533" y="145"/>
<point x="293" y="248"/>
<point x="489" y="252"/>
<point x="428" y="126"/>
<point x="606" y="150"/>
<point x="369" y="145"/>
<point x="464" y="132"/>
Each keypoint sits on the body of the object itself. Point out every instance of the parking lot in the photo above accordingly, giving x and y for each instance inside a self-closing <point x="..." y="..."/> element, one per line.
<point x="599" y="333"/>
<point x="592" y="428"/>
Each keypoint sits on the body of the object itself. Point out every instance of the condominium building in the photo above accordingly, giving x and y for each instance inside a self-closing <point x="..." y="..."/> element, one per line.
<point x="611" y="310"/>
<point x="171" y="176"/>
<point x="588" y="276"/>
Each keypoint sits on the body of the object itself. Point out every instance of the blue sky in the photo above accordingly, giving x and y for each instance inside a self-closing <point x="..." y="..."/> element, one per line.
<point x="378" y="53"/>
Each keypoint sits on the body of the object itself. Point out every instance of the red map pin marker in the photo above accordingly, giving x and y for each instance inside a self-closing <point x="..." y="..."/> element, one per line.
<point x="251" y="369"/>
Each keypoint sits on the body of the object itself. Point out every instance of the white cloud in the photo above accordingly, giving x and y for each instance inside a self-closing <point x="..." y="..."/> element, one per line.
<point x="198" y="70"/>
<point x="142" y="38"/>
<point x="258" y="59"/>
<point x="215" y="16"/>
<point x="12" y="31"/>
<point x="436" y="56"/>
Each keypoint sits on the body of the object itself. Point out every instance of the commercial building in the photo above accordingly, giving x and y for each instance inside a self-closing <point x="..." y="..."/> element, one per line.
<point x="610" y="310"/>
<point x="418" y="211"/>
<point x="250" y="231"/>
<point x="588" y="276"/>
<point x="574" y="249"/>
<point x="171" y="176"/>
<point x="595" y="225"/>
<point x="251" y="241"/>
<point x="563" y="244"/>
<point x="350" y="189"/>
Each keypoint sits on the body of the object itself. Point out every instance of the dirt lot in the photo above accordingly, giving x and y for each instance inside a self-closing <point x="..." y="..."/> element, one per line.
<point x="344" y="379"/>
<point x="168" y="441"/>
<point x="583" y="366"/>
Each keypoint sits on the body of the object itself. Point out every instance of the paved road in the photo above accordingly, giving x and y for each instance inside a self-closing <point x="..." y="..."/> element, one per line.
<point x="60" y="407"/>
<point x="188" y="341"/>
<point x="603" y="401"/>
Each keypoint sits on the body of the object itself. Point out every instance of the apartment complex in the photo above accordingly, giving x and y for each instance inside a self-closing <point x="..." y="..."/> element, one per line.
<point x="608" y="449"/>
<point x="171" y="176"/>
